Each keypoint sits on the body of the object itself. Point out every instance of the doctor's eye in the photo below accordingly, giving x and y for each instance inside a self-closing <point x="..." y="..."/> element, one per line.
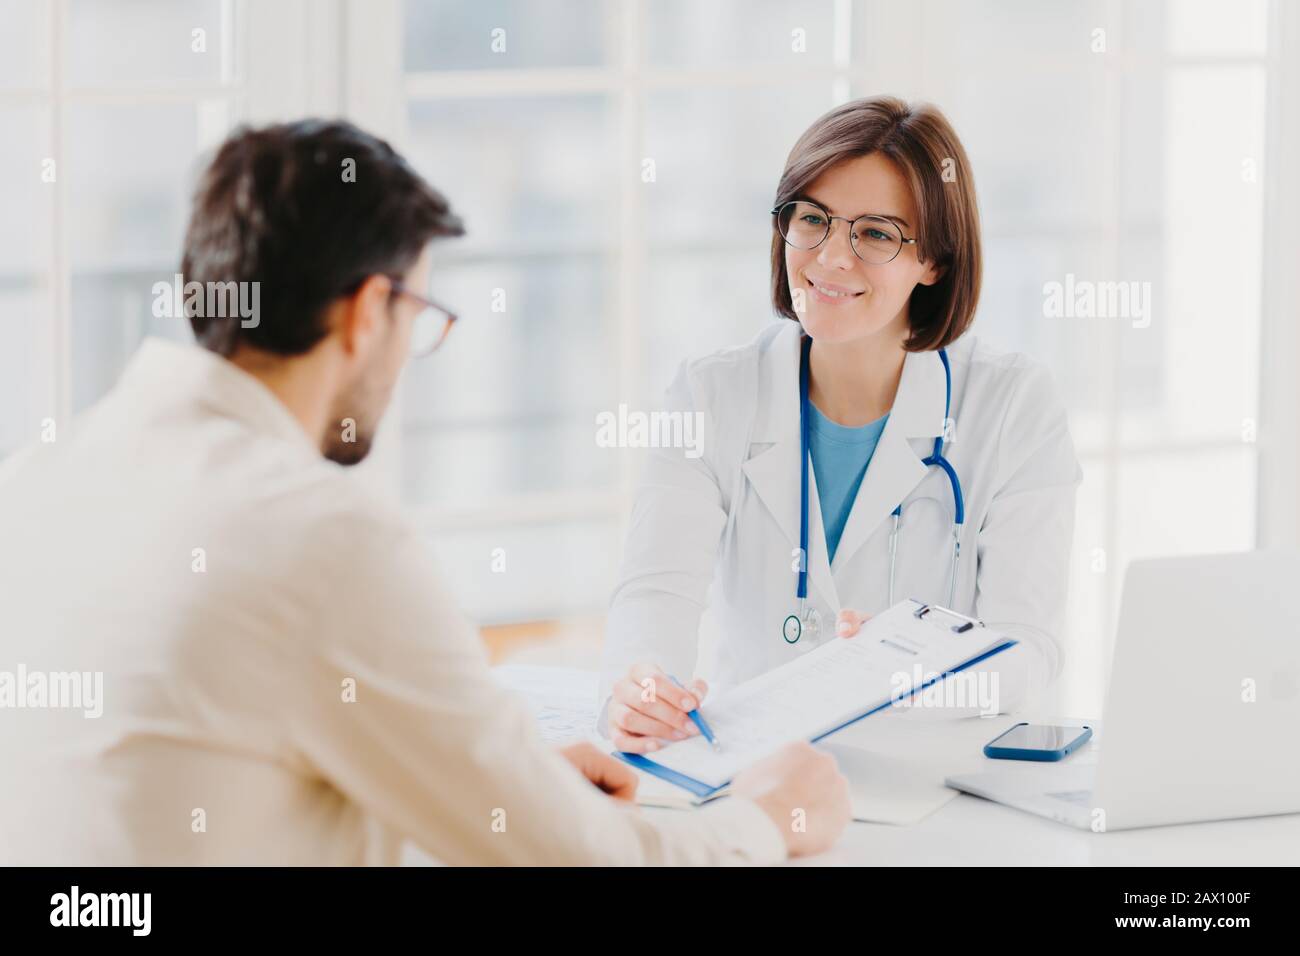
<point x="876" y="240"/>
<point x="803" y="224"/>
<point x="877" y="231"/>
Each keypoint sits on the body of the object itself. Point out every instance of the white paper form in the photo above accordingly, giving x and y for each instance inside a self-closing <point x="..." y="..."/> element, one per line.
<point x="562" y="699"/>
<point x="828" y="687"/>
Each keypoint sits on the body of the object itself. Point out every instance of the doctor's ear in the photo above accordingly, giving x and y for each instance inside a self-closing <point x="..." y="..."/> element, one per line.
<point x="932" y="274"/>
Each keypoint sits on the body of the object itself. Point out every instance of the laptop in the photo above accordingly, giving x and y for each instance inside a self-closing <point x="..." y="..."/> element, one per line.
<point x="1203" y="709"/>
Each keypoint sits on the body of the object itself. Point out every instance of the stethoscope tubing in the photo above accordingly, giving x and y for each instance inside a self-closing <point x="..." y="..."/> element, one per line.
<point x="935" y="460"/>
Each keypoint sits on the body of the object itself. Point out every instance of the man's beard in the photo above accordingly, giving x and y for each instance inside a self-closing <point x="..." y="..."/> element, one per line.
<point x="348" y="452"/>
<point x="351" y="431"/>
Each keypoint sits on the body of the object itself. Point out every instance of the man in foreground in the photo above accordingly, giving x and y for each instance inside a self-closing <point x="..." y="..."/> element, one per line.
<point x="279" y="677"/>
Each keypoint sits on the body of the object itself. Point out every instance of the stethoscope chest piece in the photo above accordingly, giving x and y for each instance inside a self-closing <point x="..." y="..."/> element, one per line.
<point x="807" y="624"/>
<point x="792" y="629"/>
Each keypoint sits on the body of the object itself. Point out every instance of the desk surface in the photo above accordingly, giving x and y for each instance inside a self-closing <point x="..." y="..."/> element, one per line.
<point x="969" y="831"/>
<point x="974" y="832"/>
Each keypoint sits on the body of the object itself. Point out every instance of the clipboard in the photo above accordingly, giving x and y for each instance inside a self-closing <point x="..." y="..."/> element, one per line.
<point x="971" y="630"/>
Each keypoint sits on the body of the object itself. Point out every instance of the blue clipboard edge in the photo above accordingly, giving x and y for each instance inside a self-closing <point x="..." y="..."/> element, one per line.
<point x="701" y="789"/>
<point x="664" y="773"/>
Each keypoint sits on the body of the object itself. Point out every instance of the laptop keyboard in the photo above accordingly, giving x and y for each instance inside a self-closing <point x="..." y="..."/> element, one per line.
<point x="1080" y="797"/>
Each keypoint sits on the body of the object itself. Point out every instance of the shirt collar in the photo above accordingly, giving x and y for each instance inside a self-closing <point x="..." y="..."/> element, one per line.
<point x="171" y="372"/>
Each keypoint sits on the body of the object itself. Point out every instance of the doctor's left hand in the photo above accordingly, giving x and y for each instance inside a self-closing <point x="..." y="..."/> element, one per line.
<point x="849" y="622"/>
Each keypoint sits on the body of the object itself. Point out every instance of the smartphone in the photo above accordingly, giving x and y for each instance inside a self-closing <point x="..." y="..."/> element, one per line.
<point x="1027" y="741"/>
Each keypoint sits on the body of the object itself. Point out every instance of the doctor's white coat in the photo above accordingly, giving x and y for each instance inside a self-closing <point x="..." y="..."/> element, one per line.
<point x="723" y="528"/>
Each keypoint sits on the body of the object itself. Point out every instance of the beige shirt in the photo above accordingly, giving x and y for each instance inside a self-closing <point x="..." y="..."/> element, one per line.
<point x="283" y="680"/>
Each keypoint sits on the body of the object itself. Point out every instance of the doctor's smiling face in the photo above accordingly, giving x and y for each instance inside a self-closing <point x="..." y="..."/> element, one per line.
<point x="842" y="294"/>
<point x="908" y="277"/>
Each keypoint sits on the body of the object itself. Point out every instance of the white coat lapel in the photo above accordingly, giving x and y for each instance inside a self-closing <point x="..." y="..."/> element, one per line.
<point x="773" y="471"/>
<point x="896" y="467"/>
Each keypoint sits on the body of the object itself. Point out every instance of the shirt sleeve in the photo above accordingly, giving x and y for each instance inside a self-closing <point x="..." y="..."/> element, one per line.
<point x="1024" y="542"/>
<point x="669" y="558"/>
<point x="396" y="708"/>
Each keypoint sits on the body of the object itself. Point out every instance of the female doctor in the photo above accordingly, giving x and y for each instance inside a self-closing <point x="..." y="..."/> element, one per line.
<point x="861" y="451"/>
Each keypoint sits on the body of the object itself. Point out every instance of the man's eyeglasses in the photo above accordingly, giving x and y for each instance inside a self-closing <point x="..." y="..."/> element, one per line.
<point x="432" y="324"/>
<point x="805" y="225"/>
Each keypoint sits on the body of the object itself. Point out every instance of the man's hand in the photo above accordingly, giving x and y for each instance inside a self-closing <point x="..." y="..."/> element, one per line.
<point x="803" y="792"/>
<point x="612" y="776"/>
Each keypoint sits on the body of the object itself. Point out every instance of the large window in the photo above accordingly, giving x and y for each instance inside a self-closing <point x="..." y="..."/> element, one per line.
<point x="105" y="107"/>
<point x="615" y="161"/>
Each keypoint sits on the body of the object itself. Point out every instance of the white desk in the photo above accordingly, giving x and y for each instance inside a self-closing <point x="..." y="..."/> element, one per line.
<point x="973" y="832"/>
<point x="969" y="831"/>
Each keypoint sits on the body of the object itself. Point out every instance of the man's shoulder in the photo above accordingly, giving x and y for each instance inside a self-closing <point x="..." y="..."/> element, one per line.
<point x="324" y="502"/>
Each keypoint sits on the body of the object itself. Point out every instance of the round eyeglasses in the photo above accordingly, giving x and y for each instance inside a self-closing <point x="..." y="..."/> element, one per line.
<point x="805" y="225"/>
<point x="431" y="324"/>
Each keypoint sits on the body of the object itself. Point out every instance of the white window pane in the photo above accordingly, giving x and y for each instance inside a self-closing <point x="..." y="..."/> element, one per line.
<point x="729" y="32"/>
<point x="989" y="35"/>
<point x="29" y="178"/>
<point x="111" y="315"/>
<point x="1216" y="27"/>
<point x="128" y="199"/>
<point x="1200" y="500"/>
<point x="1026" y="139"/>
<point x="1207" y="313"/>
<point x="550" y="569"/>
<point x="26" y="247"/>
<point x="503" y="34"/>
<point x="132" y="42"/>
<point x="718" y="155"/>
<point x="1168" y="504"/>
<point x="1080" y="352"/>
<point x="127" y="206"/>
<point x="480" y="464"/>
<point x="1092" y="574"/>
<point x="24" y="400"/>
<point x="25" y="43"/>
<point x="527" y="174"/>
<point x="698" y="302"/>
<point x="509" y="404"/>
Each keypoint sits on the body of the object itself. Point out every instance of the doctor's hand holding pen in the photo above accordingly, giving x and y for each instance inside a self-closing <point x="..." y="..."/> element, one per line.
<point x="649" y="710"/>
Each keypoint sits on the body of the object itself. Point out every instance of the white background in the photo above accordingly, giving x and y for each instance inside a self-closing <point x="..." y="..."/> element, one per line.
<point x="1158" y="160"/>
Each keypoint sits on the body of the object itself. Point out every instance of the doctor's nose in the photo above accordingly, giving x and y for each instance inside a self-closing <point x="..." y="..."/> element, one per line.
<point x="836" y="250"/>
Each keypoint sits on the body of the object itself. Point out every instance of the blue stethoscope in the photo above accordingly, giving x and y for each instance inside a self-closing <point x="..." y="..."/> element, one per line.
<point x="808" y="621"/>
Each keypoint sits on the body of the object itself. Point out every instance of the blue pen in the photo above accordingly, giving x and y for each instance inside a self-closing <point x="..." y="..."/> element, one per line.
<point x="698" y="720"/>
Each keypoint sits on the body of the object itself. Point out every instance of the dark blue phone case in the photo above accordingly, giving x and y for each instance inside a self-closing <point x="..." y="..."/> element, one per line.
<point x="1017" y="753"/>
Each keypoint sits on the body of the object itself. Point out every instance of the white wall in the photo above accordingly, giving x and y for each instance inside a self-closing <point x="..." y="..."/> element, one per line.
<point x="1156" y="160"/>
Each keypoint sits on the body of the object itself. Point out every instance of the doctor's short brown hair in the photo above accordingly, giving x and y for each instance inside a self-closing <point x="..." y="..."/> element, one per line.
<point x="922" y="143"/>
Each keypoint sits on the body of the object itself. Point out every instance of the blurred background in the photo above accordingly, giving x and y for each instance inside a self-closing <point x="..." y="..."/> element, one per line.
<point x="1138" y="141"/>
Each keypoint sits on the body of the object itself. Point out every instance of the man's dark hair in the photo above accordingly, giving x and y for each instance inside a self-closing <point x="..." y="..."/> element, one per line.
<point x="309" y="210"/>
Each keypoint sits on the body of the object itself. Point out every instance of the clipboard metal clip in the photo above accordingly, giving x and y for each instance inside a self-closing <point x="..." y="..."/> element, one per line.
<point x="933" y="612"/>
